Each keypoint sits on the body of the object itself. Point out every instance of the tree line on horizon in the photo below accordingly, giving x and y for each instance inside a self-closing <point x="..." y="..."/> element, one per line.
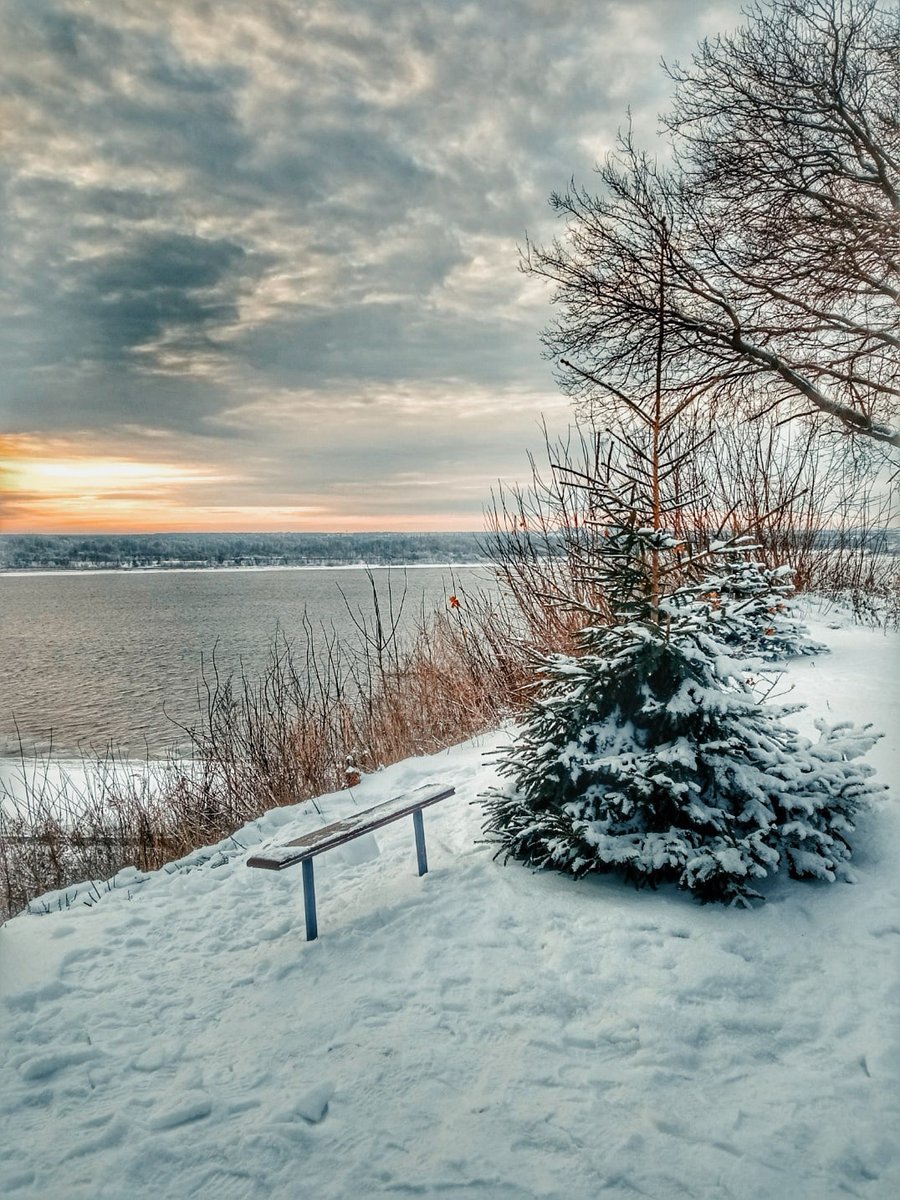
<point x="142" y="550"/>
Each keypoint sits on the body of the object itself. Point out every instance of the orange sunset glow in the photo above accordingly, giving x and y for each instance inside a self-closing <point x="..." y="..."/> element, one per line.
<point x="81" y="493"/>
<point x="93" y="494"/>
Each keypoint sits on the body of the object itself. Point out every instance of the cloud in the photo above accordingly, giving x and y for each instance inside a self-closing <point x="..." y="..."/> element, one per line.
<point x="208" y="205"/>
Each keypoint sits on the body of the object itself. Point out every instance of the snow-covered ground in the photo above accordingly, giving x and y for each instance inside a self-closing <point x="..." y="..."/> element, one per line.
<point x="480" y="1032"/>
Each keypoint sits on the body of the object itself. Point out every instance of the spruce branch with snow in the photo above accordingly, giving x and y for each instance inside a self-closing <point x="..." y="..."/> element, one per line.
<point x="753" y="607"/>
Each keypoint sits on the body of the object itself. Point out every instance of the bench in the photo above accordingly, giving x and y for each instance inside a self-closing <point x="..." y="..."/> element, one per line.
<point x="304" y="849"/>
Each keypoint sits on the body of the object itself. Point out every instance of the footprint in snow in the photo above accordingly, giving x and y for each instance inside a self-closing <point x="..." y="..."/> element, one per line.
<point x="45" y="1066"/>
<point x="152" y="1059"/>
<point x="193" y="1107"/>
<point x="113" y="1135"/>
<point x="312" y="1106"/>
<point x="231" y="1185"/>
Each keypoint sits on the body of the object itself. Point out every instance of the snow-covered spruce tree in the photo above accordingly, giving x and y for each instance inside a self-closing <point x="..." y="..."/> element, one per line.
<point x="648" y="754"/>
<point x="753" y="606"/>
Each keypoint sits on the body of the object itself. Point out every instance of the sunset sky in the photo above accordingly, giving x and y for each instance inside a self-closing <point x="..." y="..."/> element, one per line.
<point x="258" y="264"/>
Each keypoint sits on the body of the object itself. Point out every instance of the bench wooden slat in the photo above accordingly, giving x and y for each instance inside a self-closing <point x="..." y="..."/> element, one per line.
<point x="355" y="825"/>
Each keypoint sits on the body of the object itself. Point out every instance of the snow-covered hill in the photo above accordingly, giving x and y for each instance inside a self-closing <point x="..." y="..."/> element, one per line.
<point x="479" y="1032"/>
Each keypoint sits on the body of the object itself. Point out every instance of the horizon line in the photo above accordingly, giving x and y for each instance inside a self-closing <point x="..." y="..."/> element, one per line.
<point x="238" y="532"/>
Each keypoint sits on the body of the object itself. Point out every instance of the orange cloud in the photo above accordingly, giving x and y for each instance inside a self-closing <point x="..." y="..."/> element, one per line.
<point x="49" y="486"/>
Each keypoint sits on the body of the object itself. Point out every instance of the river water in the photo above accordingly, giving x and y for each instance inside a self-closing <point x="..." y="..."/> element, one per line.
<point x="92" y="658"/>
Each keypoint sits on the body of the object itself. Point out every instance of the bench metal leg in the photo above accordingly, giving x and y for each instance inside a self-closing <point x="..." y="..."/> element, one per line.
<point x="309" y="900"/>
<point x="419" y="826"/>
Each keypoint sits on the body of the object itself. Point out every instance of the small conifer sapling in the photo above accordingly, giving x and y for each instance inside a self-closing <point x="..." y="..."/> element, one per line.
<point x="648" y="754"/>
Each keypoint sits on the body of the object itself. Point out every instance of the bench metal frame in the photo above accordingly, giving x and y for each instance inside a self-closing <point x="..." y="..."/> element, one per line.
<point x="304" y="849"/>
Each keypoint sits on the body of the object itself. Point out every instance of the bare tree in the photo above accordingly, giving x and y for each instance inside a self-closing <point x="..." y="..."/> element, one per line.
<point x="777" y="230"/>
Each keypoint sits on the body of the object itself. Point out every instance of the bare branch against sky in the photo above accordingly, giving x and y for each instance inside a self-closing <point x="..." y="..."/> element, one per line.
<point x="259" y="262"/>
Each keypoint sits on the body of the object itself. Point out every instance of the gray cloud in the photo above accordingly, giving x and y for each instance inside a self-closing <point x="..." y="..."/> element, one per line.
<point x="159" y="284"/>
<point x="205" y="205"/>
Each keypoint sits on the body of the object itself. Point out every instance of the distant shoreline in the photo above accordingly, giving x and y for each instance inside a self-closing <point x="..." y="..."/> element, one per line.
<point x="31" y="572"/>
<point x="64" y="554"/>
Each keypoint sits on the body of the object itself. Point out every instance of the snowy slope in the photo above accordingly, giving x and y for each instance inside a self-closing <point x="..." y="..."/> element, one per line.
<point x="480" y="1032"/>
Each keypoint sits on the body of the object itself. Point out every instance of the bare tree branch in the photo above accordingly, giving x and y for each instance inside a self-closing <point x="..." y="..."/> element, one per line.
<point x="777" y="231"/>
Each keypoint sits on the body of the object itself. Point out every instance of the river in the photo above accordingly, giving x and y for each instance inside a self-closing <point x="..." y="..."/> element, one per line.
<point x="92" y="658"/>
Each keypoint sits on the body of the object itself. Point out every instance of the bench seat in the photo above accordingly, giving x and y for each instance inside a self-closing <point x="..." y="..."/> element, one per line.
<point x="303" y="849"/>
